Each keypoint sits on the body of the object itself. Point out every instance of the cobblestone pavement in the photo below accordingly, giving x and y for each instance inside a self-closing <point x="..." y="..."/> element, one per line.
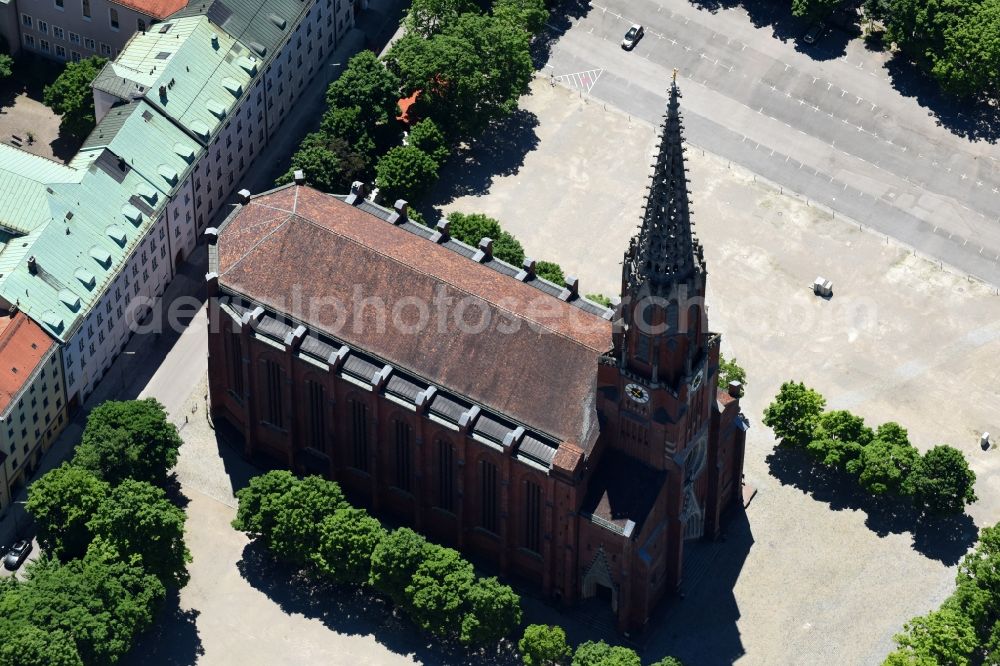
<point x="814" y="574"/>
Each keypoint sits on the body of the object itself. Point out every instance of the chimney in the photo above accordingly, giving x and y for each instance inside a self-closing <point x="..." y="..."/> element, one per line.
<point x="32" y="265"/>
<point x="212" y="235"/>
<point x="163" y="93"/>
<point x="357" y="194"/>
<point x="243" y="196"/>
<point x="485" y="252"/>
<point x="572" y="289"/>
<point x="443" y="234"/>
<point x="299" y="177"/>
<point x="735" y="389"/>
<point x="527" y="272"/>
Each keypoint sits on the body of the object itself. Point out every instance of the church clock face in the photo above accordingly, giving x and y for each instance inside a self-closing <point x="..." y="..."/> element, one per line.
<point x="637" y="393"/>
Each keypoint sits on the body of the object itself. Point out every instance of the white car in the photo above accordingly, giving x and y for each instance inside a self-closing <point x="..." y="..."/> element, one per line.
<point x="632" y="37"/>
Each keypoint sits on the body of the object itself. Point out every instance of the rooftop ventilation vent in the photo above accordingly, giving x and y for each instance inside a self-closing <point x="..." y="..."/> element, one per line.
<point x="277" y="20"/>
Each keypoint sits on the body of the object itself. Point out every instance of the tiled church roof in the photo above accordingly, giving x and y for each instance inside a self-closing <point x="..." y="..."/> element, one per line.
<point x="535" y="362"/>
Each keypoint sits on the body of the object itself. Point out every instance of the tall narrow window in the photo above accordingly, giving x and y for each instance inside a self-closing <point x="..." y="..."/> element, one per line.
<point x="359" y="434"/>
<point x="86" y="11"/>
<point x="488" y="495"/>
<point x="317" y="415"/>
<point x="113" y="15"/>
<point x="275" y="412"/>
<point x="446" y="477"/>
<point x="532" y="517"/>
<point x="236" y="365"/>
<point x="402" y="454"/>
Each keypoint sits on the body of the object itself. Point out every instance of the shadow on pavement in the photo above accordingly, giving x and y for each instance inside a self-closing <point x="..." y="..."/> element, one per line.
<point x="945" y="539"/>
<point x="699" y="625"/>
<point x="561" y="19"/>
<point x="354" y="611"/>
<point x="173" y="639"/>
<point x="977" y="120"/>
<point x="500" y="151"/>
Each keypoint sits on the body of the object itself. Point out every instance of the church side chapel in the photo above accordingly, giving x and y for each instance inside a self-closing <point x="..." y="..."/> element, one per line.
<point x="580" y="450"/>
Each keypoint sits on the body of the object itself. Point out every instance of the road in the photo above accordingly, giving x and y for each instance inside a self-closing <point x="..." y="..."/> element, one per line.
<point x="828" y="126"/>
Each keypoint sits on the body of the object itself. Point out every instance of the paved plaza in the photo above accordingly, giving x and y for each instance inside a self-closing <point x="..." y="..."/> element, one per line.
<point x="815" y="577"/>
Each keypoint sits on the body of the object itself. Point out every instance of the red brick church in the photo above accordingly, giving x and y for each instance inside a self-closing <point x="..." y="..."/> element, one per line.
<point x="573" y="446"/>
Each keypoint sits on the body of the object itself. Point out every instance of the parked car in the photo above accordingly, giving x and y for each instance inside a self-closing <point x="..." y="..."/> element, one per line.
<point x="17" y="554"/>
<point x="814" y="32"/>
<point x="632" y="37"/>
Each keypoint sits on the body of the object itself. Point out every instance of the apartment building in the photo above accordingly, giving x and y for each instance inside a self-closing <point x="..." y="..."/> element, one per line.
<point x="75" y="29"/>
<point x="86" y="248"/>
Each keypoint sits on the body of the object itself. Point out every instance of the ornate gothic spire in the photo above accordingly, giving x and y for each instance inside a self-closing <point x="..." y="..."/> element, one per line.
<point x="665" y="251"/>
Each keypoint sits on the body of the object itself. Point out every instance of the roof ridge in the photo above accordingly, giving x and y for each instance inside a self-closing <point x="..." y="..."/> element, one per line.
<point x="433" y="277"/>
<point x="258" y="243"/>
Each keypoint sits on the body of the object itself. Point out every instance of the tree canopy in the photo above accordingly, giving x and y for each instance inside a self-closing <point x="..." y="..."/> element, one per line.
<point x="839" y="438"/>
<point x="299" y="518"/>
<point x="328" y="163"/>
<point x="395" y="561"/>
<point x="794" y="414"/>
<point x="886" y="463"/>
<point x="493" y="611"/>
<point x="62" y="502"/>
<point x="550" y="271"/>
<point x="367" y="85"/>
<point x="347" y="539"/>
<point x="137" y="519"/>
<point x="599" y="653"/>
<point x="405" y="172"/>
<point x="942" y="482"/>
<point x="427" y="18"/>
<point x="70" y="96"/>
<point x="528" y="15"/>
<point x="470" y="228"/>
<point x="129" y="439"/>
<point x="259" y="502"/>
<point x="426" y="136"/>
<point x="731" y="371"/>
<point x="6" y="65"/>
<point x="544" y="645"/>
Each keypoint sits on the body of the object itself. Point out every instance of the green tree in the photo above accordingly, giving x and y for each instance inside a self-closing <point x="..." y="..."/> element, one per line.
<point x="395" y="561"/>
<point x="968" y="65"/>
<point x="71" y="97"/>
<point x="838" y="439"/>
<point x="347" y="539"/>
<point x="299" y="518"/>
<point x="61" y="502"/>
<point x="367" y="85"/>
<point x="136" y="518"/>
<point x="346" y="123"/>
<point x="668" y="661"/>
<point x="493" y="612"/>
<point x="941" y="637"/>
<point x="405" y="172"/>
<point x="24" y="644"/>
<point x="942" y="482"/>
<point x="977" y="591"/>
<point x="436" y="596"/>
<point x="887" y="462"/>
<point x="470" y="228"/>
<point x="550" y="271"/>
<point x="600" y="299"/>
<point x="100" y="601"/>
<point x="529" y="15"/>
<point x="794" y="413"/>
<point x="429" y="17"/>
<point x="129" y="439"/>
<point x="731" y="371"/>
<point x="327" y="163"/>
<point x="472" y="73"/>
<point x="426" y="136"/>
<point x="544" y="645"/>
<point x="259" y="502"/>
<point x="6" y="65"/>
<point x="600" y="653"/>
<point x="813" y="10"/>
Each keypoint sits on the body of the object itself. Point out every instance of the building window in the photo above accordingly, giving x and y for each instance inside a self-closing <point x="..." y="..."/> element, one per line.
<point x="532" y="517"/>
<point x="446" y="476"/>
<point x="274" y="413"/>
<point x="86" y="9"/>
<point x="488" y="496"/>
<point x="44" y="45"/>
<point x="58" y="33"/>
<point x="74" y="38"/>
<point x="89" y="43"/>
<point x="25" y="20"/>
<point x="359" y="434"/>
<point x="402" y="446"/>
<point x="60" y="51"/>
<point x="43" y="27"/>
<point x="105" y="49"/>
<point x="317" y="415"/>
<point x="113" y="16"/>
<point x="59" y="4"/>
<point x="29" y="40"/>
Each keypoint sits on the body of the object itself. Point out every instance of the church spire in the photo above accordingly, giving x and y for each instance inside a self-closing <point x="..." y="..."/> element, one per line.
<point x="665" y="251"/>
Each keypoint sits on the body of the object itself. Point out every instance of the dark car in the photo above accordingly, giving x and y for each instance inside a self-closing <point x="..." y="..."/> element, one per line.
<point x="632" y="37"/>
<point x="17" y="554"/>
<point x="814" y="32"/>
